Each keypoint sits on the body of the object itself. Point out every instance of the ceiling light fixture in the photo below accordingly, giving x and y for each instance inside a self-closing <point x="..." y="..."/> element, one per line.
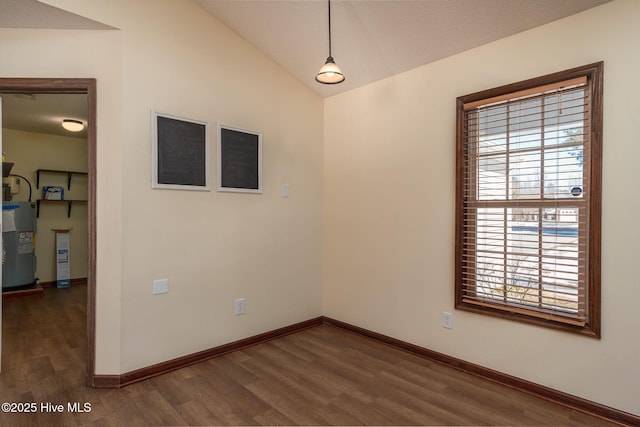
<point x="330" y="73"/>
<point x="72" y="125"/>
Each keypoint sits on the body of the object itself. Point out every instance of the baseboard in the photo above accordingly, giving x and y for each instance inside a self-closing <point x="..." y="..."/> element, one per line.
<point x="116" y="381"/>
<point x="36" y="290"/>
<point x="77" y="281"/>
<point x="570" y="401"/>
<point x="105" y="381"/>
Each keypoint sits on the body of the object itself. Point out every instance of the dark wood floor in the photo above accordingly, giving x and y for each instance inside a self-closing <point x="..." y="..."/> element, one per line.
<point x="321" y="376"/>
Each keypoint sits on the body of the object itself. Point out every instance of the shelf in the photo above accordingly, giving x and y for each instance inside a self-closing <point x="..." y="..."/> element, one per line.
<point x="69" y="203"/>
<point x="69" y="175"/>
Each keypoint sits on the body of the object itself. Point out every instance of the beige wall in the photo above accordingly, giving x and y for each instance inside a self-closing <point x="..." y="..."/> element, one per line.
<point x="97" y="54"/>
<point x="213" y="247"/>
<point x="389" y="208"/>
<point x="31" y="151"/>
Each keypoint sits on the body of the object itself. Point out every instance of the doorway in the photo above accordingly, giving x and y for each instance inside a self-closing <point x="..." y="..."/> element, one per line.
<point x="27" y="86"/>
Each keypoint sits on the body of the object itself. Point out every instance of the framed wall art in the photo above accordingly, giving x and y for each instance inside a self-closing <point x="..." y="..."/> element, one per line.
<point x="239" y="160"/>
<point x="180" y="153"/>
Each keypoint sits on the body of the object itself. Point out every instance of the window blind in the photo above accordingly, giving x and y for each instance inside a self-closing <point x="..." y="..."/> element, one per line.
<point x="526" y="194"/>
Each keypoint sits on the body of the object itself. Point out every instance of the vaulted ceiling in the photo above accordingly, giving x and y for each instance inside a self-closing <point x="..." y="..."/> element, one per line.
<point x="372" y="40"/>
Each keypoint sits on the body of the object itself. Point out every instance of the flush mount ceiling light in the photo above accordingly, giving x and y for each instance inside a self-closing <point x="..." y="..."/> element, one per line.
<point x="72" y="125"/>
<point x="330" y="73"/>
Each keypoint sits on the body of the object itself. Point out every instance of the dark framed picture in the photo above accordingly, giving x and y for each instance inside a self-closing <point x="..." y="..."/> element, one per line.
<point x="180" y="153"/>
<point x="239" y="160"/>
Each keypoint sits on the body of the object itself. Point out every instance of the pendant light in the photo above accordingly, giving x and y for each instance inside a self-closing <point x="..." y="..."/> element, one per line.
<point x="330" y="73"/>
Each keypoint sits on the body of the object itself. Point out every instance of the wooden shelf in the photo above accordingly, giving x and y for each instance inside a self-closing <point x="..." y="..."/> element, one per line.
<point x="69" y="203"/>
<point x="69" y="175"/>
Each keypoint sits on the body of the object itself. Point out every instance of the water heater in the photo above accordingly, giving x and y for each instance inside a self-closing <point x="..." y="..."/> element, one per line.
<point x="18" y="233"/>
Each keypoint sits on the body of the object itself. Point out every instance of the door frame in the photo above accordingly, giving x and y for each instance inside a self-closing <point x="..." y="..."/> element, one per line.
<point x="87" y="87"/>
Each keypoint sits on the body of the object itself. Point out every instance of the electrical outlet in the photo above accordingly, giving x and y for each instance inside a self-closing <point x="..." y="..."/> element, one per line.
<point x="239" y="306"/>
<point x="447" y="320"/>
<point x="160" y="286"/>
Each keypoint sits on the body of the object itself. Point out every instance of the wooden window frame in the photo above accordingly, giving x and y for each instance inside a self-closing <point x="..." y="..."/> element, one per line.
<point x="593" y="74"/>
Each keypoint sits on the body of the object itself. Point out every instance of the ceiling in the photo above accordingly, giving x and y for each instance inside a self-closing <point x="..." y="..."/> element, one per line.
<point x="44" y="113"/>
<point x="36" y="14"/>
<point x="371" y="40"/>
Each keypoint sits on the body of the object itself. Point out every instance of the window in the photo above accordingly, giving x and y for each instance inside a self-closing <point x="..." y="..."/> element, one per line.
<point x="528" y="201"/>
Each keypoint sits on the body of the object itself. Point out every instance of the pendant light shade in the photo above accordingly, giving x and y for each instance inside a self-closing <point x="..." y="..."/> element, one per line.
<point x="330" y="73"/>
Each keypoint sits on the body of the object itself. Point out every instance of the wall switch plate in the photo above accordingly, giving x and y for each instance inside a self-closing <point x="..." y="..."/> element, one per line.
<point x="239" y="306"/>
<point x="285" y="190"/>
<point x="447" y="320"/>
<point x="160" y="286"/>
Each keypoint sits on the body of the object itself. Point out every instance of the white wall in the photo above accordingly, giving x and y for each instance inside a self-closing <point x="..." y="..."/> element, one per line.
<point x="31" y="151"/>
<point x="389" y="208"/>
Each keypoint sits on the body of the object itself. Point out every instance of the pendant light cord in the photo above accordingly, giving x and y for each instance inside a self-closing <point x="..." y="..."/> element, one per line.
<point x="329" y="73"/>
<point x="329" y="1"/>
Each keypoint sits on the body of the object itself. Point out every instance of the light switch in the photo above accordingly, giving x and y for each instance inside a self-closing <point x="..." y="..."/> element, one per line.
<point x="285" y="190"/>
